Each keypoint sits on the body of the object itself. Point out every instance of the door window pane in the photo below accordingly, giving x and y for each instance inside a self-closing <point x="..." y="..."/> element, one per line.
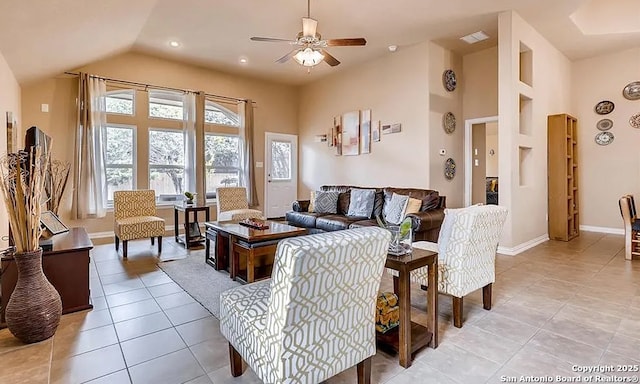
<point x="280" y="160"/>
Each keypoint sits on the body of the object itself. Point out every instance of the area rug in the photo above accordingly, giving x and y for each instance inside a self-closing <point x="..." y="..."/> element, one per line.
<point x="199" y="279"/>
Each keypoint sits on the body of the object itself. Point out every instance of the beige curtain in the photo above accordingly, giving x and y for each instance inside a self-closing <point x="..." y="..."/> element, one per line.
<point x="248" y="172"/>
<point x="89" y="194"/>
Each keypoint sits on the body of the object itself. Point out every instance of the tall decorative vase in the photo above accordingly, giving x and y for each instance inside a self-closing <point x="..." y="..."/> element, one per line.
<point x="34" y="309"/>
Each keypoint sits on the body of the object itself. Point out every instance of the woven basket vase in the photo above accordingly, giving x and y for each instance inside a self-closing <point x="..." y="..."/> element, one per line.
<point x="34" y="309"/>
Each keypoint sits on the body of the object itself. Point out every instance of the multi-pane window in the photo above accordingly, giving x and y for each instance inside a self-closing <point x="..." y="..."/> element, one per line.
<point x="222" y="161"/>
<point x="119" y="147"/>
<point x="121" y="102"/>
<point x="217" y="114"/>
<point x="165" y="151"/>
<point x="166" y="163"/>
<point x="166" y="104"/>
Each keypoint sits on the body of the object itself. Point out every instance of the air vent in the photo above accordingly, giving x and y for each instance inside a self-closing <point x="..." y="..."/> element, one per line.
<point x="474" y="37"/>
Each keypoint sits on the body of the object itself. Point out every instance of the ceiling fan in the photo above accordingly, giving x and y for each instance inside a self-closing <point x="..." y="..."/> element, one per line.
<point x="309" y="48"/>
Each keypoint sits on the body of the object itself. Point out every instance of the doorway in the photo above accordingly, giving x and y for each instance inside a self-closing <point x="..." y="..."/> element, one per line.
<point x="481" y="161"/>
<point x="281" y="173"/>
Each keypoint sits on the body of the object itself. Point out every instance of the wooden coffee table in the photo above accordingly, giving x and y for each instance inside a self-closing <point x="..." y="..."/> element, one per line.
<point x="409" y="337"/>
<point x="244" y="241"/>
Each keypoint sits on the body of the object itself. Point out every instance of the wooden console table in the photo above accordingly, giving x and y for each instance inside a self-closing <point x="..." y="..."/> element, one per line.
<point x="66" y="265"/>
<point x="409" y="337"/>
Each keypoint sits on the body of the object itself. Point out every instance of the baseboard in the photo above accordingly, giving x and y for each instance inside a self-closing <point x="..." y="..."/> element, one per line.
<point x="512" y="251"/>
<point x="591" y="228"/>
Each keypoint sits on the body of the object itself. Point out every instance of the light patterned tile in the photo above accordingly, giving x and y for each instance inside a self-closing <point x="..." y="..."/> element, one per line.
<point x="531" y="361"/>
<point x="493" y="347"/>
<point x="566" y="349"/>
<point x="509" y="328"/>
<point x="150" y="346"/>
<point x="459" y="364"/>
<point x="174" y="368"/>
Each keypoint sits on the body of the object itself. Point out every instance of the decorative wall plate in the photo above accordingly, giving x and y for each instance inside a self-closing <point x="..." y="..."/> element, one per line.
<point x="604" y="107"/>
<point x="604" y="124"/>
<point x="632" y="91"/>
<point x="449" y="80"/>
<point x="449" y="169"/>
<point x="634" y="120"/>
<point x="449" y="122"/>
<point x="604" y="138"/>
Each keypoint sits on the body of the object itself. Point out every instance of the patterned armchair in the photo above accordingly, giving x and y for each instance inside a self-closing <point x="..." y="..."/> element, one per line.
<point x="466" y="249"/>
<point x="316" y="316"/>
<point x="135" y="218"/>
<point x="232" y="205"/>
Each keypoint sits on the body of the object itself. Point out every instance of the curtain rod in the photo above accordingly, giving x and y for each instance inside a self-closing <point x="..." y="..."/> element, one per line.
<point x="158" y="87"/>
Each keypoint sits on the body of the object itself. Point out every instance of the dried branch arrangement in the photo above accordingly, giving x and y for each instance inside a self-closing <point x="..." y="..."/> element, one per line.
<point x="59" y="176"/>
<point x="23" y="175"/>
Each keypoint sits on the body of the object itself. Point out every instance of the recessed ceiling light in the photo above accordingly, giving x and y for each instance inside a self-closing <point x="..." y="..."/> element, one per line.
<point x="475" y="37"/>
<point x="243" y="60"/>
<point x="393" y="48"/>
<point x="174" y="44"/>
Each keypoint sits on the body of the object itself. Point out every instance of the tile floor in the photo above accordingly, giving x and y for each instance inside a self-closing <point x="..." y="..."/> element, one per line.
<point x="555" y="306"/>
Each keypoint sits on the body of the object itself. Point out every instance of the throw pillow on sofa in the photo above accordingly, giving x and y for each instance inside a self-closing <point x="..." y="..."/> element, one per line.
<point x="413" y="206"/>
<point x="395" y="210"/>
<point x="361" y="202"/>
<point x="326" y="202"/>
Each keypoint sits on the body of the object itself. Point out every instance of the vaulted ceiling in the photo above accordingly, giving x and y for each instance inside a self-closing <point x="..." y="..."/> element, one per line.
<point x="44" y="38"/>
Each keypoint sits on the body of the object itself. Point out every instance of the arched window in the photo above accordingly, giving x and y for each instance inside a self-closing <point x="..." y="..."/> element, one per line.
<point x="217" y="114"/>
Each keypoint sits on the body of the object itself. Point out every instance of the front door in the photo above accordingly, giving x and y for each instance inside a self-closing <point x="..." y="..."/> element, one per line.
<point x="281" y="169"/>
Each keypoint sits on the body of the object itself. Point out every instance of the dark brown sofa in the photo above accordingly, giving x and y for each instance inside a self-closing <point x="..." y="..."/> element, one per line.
<point x="426" y="223"/>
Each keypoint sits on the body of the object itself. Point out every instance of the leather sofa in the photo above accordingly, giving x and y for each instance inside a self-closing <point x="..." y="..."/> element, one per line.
<point x="426" y="223"/>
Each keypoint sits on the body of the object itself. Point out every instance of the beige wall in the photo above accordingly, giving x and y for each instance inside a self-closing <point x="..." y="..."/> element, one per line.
<point x="480" y="84"/>
<point x="527" y="220"/>
<point x="9" y="102"/>
<point x="492" y="143"/>
<point x="606" y="172"/>
<point x="396" y="89"/>
<point x="442" y="101"/>
<point x="276" y="109"/>
<point x="478" y="172"/>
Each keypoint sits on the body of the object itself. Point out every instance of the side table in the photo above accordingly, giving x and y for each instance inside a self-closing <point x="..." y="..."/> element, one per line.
<point x="189" y="238"/>
<point x="408" y="337"/>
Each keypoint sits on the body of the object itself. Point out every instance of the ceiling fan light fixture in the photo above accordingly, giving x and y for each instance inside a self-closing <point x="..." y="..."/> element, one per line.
<point x="308" y="57"/>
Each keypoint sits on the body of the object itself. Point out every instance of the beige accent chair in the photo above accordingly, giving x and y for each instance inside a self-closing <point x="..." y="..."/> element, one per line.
<point x="466" y="247"/>
<point x="135" y="218"/>
<point x="631" y="227"/>
<point x="232" y="205"/>
<point x="316" y="317"/>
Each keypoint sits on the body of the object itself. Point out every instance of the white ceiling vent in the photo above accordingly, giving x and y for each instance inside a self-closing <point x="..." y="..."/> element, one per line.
<point x="474" y="37"/>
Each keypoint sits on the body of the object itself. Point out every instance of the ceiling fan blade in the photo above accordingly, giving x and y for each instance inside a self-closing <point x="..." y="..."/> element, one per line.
<point x="309" y="27"/>
<point x="272" y="40"/>
<point x="346" y="42"/>
<point x="332" y="61"/>
<point x="286" y="57"/>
